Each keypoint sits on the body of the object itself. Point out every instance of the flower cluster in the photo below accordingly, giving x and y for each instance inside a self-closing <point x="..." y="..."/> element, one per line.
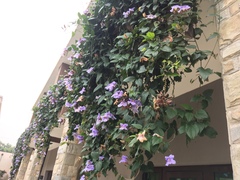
<point x="127" y="13"/>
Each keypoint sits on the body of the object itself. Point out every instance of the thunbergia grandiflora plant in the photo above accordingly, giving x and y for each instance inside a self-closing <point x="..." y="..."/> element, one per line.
<point x="131" y="53"/>
<point x="45" y="119"/>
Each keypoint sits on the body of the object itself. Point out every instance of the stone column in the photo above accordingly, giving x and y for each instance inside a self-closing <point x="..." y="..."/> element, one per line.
<point x="23" y="167"/>
<point x="67" y="162"/>
<point x="33" y="168"/>
<point x="229" y="44"/>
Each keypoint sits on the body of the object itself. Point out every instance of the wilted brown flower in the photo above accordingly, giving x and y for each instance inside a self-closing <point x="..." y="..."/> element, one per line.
<point x="162" y="100"/>
<point x="142" y="59"/>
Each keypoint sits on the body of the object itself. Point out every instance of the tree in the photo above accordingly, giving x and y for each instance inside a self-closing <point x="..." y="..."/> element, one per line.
<point x="6" y="147"/>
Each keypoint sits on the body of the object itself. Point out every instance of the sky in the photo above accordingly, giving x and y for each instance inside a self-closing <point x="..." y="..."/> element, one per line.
<point x="32" y="39"/>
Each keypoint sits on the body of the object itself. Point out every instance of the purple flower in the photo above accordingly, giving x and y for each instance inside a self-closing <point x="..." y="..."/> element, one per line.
<point x="90" y="70"/>
<point x="80" y="41"/>
<point x="151" y="16"/>
<point x="107" y="116"/>
<point x="78" y="137"/>
<point x="111" y="86"/>
<point x="170" y="160"/>
<point x="70" y="58"/>
<point x="89" y="166"/>
<point x="70" y="73"/>
<point x="127" y="13"/>
<point x="123" y="104"/>
<point x="99" y="119"/>
<point x="123" y="126"/>
<point x="68" y="84"/>
<point x="94" y="132"/>
<point x="68" y="104"/>
<point x="124" y="159"/>
<point x="117" y="94"/>
<point x="101" y="158"/>
<point x="80" y="109"/>
<point x="65" y="138"/>
<point x="77" y="127"/>
<point x="135" y="104"/>
<point x="131" y="9"/>
<point x="77" y="55"/>
<point x="83" y="90"/>
<point x="185" y="7"/>
<point x="86" y="12"/>
<point x="179" y="9"/>
<point x="82" y="177"/>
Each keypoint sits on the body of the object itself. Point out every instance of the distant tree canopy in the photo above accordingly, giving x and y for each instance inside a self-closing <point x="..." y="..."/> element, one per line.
<point x="6" y="147"/>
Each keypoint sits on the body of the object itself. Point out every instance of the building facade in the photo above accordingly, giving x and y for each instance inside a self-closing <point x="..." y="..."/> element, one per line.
<point x="202" y="159"/>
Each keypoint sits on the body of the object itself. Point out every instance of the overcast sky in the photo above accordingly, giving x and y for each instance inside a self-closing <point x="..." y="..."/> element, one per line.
<point x="31" y="42"/>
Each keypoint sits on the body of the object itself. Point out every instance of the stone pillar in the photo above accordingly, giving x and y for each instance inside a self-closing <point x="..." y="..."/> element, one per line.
<point x="34" y="166"/>
<point x="229" y="44"/>
<point x="23" y="167"/>
<point x="67" y="162"/>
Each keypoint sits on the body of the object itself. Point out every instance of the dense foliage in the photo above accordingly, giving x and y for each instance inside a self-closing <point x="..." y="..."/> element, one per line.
<point x="117" y="87"/>
<point x="131" y="54"/>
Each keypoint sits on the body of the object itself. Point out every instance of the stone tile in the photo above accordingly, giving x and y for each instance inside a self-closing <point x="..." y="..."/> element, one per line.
<point x="231" y="49"/>
<point x="231" y="89"/>
<point x="229" y="29"/>
<point x="69" y="159"/>
<point x="227" y="66"/>
<point x="234" y="8"/>
<point x="235" y="157"/>
<point x="60" y="178"/>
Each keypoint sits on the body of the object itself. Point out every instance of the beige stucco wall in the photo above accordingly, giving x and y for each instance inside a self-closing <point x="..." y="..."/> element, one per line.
<point x="5" y="161"/>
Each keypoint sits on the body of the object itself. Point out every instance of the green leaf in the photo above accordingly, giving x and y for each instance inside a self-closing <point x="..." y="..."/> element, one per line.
<point x="170" y="132"/>
<point x="208" y="93"/>
<point x="137" y="126"/>
<point x="150" y="35"/>
<point x="182" y="129"/>
<point x="204" y="73"/>
<point x="144" y="29"/>
<point x="171" y="112"/>
<point x="101" y="99"/>
<point x="98" y="165"/>
<point x="147" y="146"/>
<point x="187" y="107"/>
<point x="213" y="35"/>
<point x="132" y="142"/>
<point x="139" y="82"/>
<point x="196" y="98"/>
<point x="142" y="69"/>
<point x="189" y="116"/>
<point x="201" y="114"/>
<point x="210" y="132"/>
<point x="156" y="140"/>
<point x="129" y="79"/>
<point x="166" y="49"/>
<point x="95" y="155"/>
<point x="98" y="87"/>
<point x="144" y="96"/>
<point x="99" y="75"/>
<point x="192" y="131"/>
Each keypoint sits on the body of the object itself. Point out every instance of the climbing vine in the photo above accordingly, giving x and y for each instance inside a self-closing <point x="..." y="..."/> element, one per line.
<point x="117" y="88"/>
<point x="131" y="54"/>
